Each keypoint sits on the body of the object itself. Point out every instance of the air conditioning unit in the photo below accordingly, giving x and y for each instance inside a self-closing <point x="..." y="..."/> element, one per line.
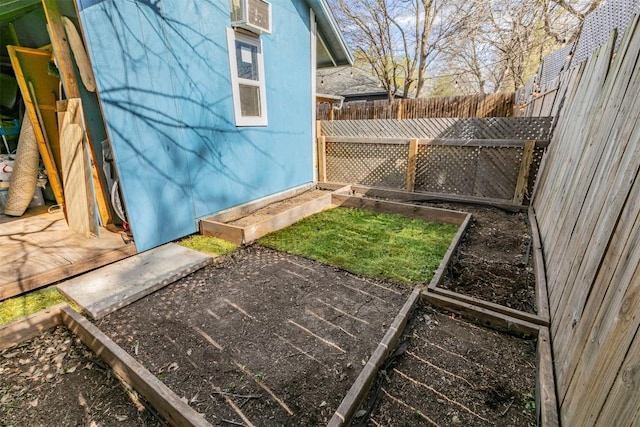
<point x="252" y="15"/>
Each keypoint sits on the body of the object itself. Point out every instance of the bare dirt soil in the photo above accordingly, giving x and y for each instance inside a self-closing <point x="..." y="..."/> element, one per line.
<point x="494" y="259"/>
<point x="278" y="207"/>
<point x="54" y="380"/>
<point x="260" y="338"/>
<point x="450" y="372"/>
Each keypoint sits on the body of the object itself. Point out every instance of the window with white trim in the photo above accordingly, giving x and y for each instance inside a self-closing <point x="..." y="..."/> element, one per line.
<point x="247" y="79"/>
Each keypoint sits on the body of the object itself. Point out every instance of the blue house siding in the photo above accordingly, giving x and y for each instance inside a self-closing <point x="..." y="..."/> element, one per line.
<point x="162" y="71"/>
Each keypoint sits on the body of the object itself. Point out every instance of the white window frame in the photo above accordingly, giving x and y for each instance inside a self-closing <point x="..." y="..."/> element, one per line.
<point x="232" y="37"/>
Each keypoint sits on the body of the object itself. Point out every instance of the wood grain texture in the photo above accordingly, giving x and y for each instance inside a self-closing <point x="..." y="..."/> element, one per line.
<point x="546" y="397"/>
<point x="64" y="61"/>
<point x="359" y="389"/>
<point x="523" y="175"/>
<point x="40" y="250"/>
<point x="236" y="212"/>
<point x="438" y="276"/>
<point x="492" y="105"/>
<point x="401" y="195"/>
<point x="412" y="160"/>
<point x="30" y="326"/>
<point x="76" y="174"/>
<point x="286" y="218"/>
<point x="228" y="232"/>
<point x="483" y="315"/>
<point x="80" y="54"/>
<point x="588" y="213"/>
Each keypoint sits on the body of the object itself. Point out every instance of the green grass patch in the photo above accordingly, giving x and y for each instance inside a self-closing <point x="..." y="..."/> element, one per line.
<point x="385" y="246"/>
<point x="14" y="308"/>
<point x="208" y="244"/>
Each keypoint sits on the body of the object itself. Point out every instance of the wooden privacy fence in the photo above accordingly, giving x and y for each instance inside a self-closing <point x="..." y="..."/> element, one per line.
<point x="493" y="105"/>
<point x="488" y="158"/>
<point x="588" y="209"/>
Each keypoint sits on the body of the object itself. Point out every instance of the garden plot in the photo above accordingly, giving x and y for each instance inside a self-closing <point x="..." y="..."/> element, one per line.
<point x="56" y="380"/>
<point x="494" y="260"/>
<point x="247" y="223"/>
<point x="451" y="372"/>
<point x="261" y="337"/>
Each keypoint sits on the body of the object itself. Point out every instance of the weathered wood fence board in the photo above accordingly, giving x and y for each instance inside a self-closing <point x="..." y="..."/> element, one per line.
<point x="588" y="207"/>
<point x="492" y="105"/>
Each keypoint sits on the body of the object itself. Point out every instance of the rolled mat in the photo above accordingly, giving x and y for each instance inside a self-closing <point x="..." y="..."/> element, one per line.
<point x="22" y="185"/>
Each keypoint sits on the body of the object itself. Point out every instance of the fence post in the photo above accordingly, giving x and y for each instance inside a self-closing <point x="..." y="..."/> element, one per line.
<point x="322" y="159"/>
<point x="411" y="165"/>
<point x="399" y="115"/>
<point x="523" y="175"/>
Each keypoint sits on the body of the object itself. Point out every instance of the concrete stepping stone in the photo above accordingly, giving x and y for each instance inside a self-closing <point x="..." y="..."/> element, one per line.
<point x="105" y="290"/>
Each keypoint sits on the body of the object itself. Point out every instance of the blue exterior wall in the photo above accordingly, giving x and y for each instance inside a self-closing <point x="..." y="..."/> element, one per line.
<point x="162" y="72"/>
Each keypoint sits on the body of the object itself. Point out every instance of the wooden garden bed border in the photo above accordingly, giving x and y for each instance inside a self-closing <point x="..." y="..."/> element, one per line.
<point x="546" y="397"/>
<point x="542" y="304"/>
<point x="216" y="225"/>
<point x="461" y="219"/>
<point x="409" y="196"/>
<point x="162" y="398"/>
<point x="359" y="389"/>
<point x="486" y="313"/>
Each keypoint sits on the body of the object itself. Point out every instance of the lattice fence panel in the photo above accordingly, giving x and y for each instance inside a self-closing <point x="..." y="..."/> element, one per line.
<point x="538" y="152"/>
<point x="497" y="172"/>
<point x="599" y="23"/>
<point x="379" y="165"/>
<point x="526" y="128"/>
<point x="555" y="62"/>
<point x="446" y="169"/>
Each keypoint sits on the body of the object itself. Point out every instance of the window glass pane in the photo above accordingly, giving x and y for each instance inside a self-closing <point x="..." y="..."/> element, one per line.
<point x="250" y="101"/>
<point x="247" y="59"/>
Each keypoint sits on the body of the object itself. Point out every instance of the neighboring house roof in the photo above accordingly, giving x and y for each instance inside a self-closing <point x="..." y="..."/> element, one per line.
<point x="331" y="49"/>
<point x="348" y="82"/>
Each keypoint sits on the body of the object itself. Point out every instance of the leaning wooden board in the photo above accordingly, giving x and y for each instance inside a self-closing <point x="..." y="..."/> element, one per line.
<point x="65" y="63"/>
<point x="78" y="188"/>
<point x="80" y="54"/>
<point x="30" y="65"/>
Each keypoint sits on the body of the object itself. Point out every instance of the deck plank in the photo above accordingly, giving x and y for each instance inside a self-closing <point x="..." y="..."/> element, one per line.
<point x="39" y="250"/>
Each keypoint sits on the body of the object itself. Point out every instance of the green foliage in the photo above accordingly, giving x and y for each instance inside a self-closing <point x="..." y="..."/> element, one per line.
<point x="530" y="401"/>
<point x="208" y="244"/>
<point x="384" y="246"/>
<point x="14" y="308"/>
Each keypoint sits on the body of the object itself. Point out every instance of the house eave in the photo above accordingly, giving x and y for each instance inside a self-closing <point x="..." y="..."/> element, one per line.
<point x="331" y="35"/>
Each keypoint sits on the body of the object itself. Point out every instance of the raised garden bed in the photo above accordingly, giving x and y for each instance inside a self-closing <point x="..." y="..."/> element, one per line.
<point x="495" y="262"/>
<point x="259" y="337"/>
<point x="55" y="397"/>
<point x="451" y="372"/>
<point x="479" y="310"/>
<point x="54" y="379"/>
<point x="247" y="223"/>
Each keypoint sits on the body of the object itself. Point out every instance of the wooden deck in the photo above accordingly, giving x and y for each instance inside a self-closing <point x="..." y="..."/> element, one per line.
<point x="39" y="249"/>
